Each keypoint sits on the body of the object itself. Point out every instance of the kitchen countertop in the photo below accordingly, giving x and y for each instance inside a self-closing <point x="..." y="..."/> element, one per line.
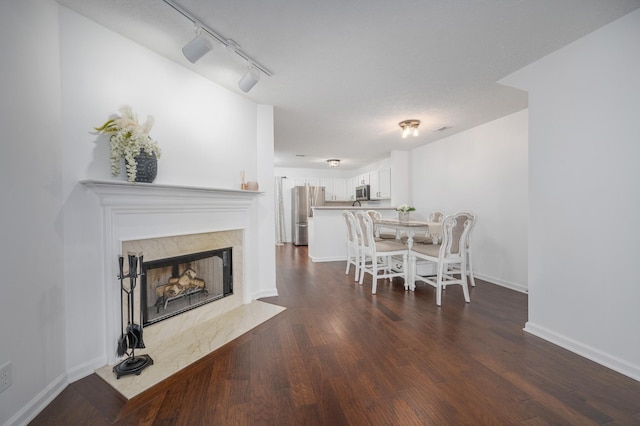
<point x="327" y="236"/>
<point x="352" y="208"/>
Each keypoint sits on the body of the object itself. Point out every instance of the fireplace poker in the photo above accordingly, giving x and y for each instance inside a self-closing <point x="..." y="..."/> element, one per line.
<point x="135" y="329"/>
<point x="122" y="341"/>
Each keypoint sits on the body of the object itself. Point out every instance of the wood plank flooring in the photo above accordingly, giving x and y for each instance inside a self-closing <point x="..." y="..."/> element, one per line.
<point x="341" y="356"/>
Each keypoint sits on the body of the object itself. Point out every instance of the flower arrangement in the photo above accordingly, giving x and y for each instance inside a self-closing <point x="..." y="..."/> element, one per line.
<point x="405" y="208"/>
<point x="128" y="139"/>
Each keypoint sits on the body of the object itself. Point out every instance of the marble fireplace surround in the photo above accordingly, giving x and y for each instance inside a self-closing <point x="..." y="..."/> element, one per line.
<point x="161" y="248"/>
<point x="164" y="221"/>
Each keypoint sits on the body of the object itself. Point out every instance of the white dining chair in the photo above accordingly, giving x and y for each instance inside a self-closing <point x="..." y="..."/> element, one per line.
<point x="450" y="256"/>
<point x="353" y="243"/>
<point x="376" y="255"/>
<point x="377" y="231"/>
<point x="472" y="217"/>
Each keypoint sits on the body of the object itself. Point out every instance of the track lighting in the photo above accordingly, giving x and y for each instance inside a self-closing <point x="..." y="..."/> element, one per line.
<point x="250" y="79"/>
<point x="198" y="47"/>
<point x="409" y="127"/>
<point x="202" y="44"/>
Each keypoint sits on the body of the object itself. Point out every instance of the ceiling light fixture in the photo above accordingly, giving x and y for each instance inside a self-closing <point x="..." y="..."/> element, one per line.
<point x="198" y="47"/>
<point x="226" y="42"/>
<point x="334" y="162"/>
<point x="409" y="127"/>
<point x="250" y="79"/>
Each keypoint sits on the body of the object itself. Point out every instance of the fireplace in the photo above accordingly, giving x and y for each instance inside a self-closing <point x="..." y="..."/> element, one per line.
<point x="169" y="221"/>
<point x="171" y="286"/>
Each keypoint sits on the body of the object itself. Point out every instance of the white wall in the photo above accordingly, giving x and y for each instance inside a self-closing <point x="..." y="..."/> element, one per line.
<point x="372" y="167"/>
<point x="265" y="283"/>
<point x="207" y="135"/>
<point x="32" y="305"/>
<point x="81" y="74"/>
<point x="484" y="170"/>
<point x="584" y="290"/>
<point x="401" y="185"/>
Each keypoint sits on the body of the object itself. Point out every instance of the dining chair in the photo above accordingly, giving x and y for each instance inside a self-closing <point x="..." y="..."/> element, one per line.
<point x="450" y="256"/>
<point x="472" y="217"/>
<point x="377" y="255"/>
<point x="377" y="231"/>
<point x="353" y="243"/>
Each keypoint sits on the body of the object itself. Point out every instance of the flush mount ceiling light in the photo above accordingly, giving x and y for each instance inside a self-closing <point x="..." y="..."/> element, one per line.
<point x="334" y="162"/>
<point x="198" y="47"/>
<point x="409" y="127"/>
<point x="250" y="79"/>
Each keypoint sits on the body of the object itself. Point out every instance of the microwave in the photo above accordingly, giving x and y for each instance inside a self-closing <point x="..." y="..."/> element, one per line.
<point x="363" y="192"/>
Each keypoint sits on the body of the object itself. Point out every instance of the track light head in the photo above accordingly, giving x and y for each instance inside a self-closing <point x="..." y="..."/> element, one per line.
<point x="197" y="48"/>
<point x="250" y="79"/>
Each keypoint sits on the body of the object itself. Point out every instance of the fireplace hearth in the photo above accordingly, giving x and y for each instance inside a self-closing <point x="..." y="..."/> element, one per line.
<point x="174" y="285"/>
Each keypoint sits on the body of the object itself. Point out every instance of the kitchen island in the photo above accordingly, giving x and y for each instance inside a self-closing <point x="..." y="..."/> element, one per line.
<point x="328" y="232"/>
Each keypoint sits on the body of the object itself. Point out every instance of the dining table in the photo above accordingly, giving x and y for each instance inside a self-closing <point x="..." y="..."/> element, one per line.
<point x="410" y="228"/>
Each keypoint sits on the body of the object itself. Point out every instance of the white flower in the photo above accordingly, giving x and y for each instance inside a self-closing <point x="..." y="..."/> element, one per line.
<point x="128" y="139"/>
<point x="405" y="208"/>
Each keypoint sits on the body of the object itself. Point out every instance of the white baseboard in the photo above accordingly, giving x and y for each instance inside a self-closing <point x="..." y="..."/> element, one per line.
<point x="48" y="394"/>
<point x="272" y="292"/>
<point x="87" y="368"/>
<point x="328" y="259"/>
<point x="593" y="354"/>
<point x="508" y="284"/>
<point x="39" y="402"/>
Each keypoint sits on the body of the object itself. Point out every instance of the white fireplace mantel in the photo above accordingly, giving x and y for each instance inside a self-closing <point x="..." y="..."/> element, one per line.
<point x="135" y="211"/>
<point x="119" y="193"/>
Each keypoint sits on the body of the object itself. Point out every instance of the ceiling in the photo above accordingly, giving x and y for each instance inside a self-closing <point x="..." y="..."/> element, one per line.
<point x="345" y="72"/>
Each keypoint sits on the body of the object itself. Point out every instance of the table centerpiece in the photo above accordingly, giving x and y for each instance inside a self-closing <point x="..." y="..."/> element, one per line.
<point x="403" y="212"/>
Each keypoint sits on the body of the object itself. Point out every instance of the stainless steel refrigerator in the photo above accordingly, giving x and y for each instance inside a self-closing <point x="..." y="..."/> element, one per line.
<point x="303" y="198"/>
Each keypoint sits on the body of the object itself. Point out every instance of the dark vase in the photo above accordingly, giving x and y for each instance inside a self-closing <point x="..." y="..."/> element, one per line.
<point x="147" y="167"/>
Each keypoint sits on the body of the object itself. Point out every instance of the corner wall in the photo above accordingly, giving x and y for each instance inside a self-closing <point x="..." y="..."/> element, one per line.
<point x="32" y="305"/>
<point x="584" y="290"/>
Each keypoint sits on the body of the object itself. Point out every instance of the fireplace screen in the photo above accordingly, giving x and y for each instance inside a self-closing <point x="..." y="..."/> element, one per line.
<point x="174" y="285"/>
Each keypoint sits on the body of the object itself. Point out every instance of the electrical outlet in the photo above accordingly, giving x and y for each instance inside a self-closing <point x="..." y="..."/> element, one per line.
<point x="5" y="376"/>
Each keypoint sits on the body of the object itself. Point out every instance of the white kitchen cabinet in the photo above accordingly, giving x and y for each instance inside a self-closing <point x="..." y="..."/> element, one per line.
<point x="374" y="186"/>
<point x="363" y="179"/>
<point x="328" y="189"/>
<point x="351" y="188"/>
<point x="335" y="189"/>
<point x="380" y="182"/>
<point x="340" y="189"/>
<point x="385" y="183"/>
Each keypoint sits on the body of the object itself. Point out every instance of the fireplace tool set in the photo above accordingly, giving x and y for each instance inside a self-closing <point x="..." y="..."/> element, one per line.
<point x="131" y="338"/>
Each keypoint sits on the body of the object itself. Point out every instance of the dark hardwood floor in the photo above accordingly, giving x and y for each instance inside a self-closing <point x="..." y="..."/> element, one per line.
<point x="341" y="356"/>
